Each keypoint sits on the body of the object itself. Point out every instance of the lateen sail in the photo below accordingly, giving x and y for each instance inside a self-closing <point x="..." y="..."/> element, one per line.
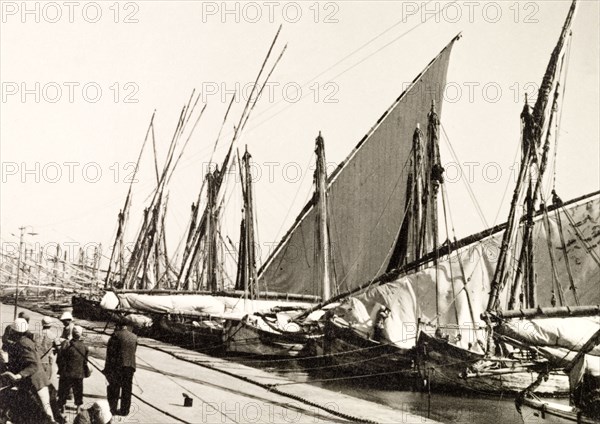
<point x="366" y="198"/>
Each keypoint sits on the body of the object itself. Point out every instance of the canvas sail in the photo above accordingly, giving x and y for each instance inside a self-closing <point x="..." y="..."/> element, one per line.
<point x="412" y="297"/>
<point x="366" y="198"/>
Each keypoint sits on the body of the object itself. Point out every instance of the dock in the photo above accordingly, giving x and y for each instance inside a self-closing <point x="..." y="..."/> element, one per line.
<point x="222" y="391"/>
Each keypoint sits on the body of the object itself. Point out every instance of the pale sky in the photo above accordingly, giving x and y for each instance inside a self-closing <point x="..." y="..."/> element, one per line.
<point x="53" y="146"/>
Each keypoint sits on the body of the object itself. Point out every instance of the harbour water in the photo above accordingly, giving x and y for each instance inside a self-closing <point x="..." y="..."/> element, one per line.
<point x="444" y="407"/>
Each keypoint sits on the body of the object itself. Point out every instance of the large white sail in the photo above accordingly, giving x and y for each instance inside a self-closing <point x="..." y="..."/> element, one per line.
<point x="366" y="198"/>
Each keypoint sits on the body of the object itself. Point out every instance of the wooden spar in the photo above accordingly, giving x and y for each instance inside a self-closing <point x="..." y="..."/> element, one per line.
<point x="250" y="231"/>
<point x="188" y="260"/>
<point x="165" y="255"/>
<point x="543" y="312"/>
<point x="155" y="156"/>
<point x="587" y="347"/>
<point x="147" y="235"/>
<point x="247" y="107"/>
<point x="264" y="295"/>
<point x="510" y="232"/>
<point x="434" y="177"/>
<point x="416" y="193"/>
<point x="243" y="256"/>
<point x="321" y="200"/>
<point x="187" y="140"/>
<point x="241" y="272"/>
<point x="97" y="252"/>
<point x="527" y="254"/>
<point x="528" y="245"/>
<point x="540" y="108"/>
<point x="211" y="239"/>
<point x="263" y="87"/>
<point x="123" y="212"/>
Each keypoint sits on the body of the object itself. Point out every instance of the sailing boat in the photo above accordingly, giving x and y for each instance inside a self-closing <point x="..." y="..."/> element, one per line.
<point x="409" y="207"/>
<point x="500" y="355"/>
<point x="274" y="332"/>
<point x="584" y="379"/>
<point x="342" y="236"/>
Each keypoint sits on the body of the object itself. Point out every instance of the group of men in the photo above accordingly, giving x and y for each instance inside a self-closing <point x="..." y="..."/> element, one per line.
<point x="31" y="357"/>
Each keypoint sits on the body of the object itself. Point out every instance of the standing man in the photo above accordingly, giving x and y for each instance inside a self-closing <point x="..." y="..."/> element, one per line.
<point x="119" y="368"/>
<point x="72" y="363"/>
<point x="25" y="366"/>
<point x="67" y="320"/>
<point x="45" y="346"/>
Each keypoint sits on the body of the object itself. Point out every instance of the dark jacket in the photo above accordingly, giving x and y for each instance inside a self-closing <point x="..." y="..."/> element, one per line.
<point x="72" y="359"/>
<point x="25" y="360"/>
<point x="120" y="352"/>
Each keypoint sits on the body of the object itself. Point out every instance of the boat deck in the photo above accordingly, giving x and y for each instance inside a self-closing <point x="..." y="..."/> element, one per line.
<point x="222" y="391"/>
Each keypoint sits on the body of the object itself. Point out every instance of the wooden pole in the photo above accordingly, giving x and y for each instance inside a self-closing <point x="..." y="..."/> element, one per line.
<point x="321" y="199"/>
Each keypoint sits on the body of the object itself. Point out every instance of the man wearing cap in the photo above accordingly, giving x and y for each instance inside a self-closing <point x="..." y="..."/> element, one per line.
<point x="119" y="368"/>
<point x="45" y="346"/>
<point x="7" y="340"/>
<point x="25" y="366"/>
<point x="67" y="320"/>
<point x="98" y="413"/>
<point x="72" y="362"/>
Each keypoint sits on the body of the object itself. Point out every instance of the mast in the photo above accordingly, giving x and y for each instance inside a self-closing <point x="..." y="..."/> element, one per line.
<point x="123" y="213"/>
<point x="249" y="240"/>
<point x="417" y="192"/>
<point x="323" y="250"/>
<point x="533" y="130"/>
<point x="211" y="267"/>
<point x="434" y="176"/>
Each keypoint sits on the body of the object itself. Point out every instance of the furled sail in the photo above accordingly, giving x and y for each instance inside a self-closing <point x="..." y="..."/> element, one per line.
<point x="366" y="198"/>
<point x="464" y="281"/>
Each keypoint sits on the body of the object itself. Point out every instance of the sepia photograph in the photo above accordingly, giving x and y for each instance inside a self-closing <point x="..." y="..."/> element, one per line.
<point x="300" y="212"/>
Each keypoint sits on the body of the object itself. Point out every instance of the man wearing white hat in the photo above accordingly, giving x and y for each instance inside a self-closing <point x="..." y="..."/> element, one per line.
<point x="25" y="366"/>
<point x="67" y="320"/>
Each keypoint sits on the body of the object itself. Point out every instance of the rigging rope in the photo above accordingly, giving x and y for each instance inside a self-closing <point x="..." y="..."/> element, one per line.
<point x="466" y="182"/>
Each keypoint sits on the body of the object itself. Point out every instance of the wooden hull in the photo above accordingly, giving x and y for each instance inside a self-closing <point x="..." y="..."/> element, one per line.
<point x="449" y="367"/>
<point x="240" y="336"/>
<point x="190" y="332"/>
<point x="540" y="411"/>
<point x="89" y="309"/>
<point x="352" y="352"/>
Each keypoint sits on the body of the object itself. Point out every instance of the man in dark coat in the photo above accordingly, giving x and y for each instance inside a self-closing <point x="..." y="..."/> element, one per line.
<point x="119" y="369"/>
<point x="25" y="366"/>
<point x="72" y="363"/>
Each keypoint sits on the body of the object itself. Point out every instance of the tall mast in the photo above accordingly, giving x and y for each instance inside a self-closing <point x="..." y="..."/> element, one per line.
<point x="323" y="251"/>
<point x="417" y="191"/>
<point x="250" y="253"/>
<point x="211" y="208"/>
<point x="533" y="130"/>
